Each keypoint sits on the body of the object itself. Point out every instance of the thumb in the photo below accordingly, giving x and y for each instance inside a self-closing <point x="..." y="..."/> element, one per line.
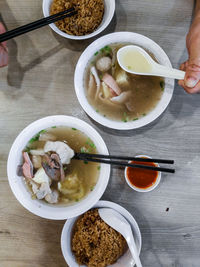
<point x="192" y="75"/>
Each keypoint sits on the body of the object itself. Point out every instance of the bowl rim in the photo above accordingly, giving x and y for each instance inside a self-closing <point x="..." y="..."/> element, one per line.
<point x="143" y="190"/>
<point x="115" y="38"/>
<point x="68" y="226"/>
<point x="18" y="187"/>
<point x="100" y="28"/>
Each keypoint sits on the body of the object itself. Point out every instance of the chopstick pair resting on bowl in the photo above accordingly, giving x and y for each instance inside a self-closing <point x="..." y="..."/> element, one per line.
<point x="37" y="24"/>
<point x="116" y="160"/>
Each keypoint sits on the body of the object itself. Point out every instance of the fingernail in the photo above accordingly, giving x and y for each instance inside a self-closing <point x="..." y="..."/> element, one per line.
<point x="191" y="82"/>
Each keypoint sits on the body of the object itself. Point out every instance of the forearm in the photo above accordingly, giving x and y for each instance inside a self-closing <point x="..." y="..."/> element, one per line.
<point x="191" y="82"/>
<point x="197" y="9"/>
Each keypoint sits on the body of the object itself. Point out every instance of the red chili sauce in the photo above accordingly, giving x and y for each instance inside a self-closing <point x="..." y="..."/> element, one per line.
<point x="142" y="178"/>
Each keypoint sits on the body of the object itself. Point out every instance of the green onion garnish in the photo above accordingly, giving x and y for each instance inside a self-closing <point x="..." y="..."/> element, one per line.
<point x="27" y="149"/>
<point x="90" y="143"/>
<point x="36" y="137"/>
<point x="162" y="85"/>
<point x="125" y="117"/>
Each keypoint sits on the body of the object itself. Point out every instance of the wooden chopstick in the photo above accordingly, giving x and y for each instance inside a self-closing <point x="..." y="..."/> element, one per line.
<point x="126" y="164"/>
<point x="37" y="24"/>
<point x="86" y="155"/>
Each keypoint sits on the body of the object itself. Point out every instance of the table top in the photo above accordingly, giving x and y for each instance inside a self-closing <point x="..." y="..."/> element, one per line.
<point x="39" y="82"/>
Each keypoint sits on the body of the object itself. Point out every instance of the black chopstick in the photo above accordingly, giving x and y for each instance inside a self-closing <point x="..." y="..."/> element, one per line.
<point x="126" y="164"/>
<point x="36" y="24"/>
<point x="86" y="155"/>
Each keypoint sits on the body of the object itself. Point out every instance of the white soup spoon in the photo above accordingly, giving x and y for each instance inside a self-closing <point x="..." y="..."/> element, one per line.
<point x="136" y="60"/>
<point x="120" y="224"/>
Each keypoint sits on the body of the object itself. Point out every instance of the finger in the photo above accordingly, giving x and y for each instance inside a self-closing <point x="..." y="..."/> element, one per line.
<point x="2" y="30"/>
<point x="189" y="90"/>
<point x="182" y="66"/>
<point x="192" y="75"/>
<point x="181" y="83"/>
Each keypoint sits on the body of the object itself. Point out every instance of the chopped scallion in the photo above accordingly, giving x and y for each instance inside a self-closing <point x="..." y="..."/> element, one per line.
<point x="27" y="149"/>
<point x="90" y="143"/>
<point x="83" y="149"/>
<point x="36" y="137"/>
<point x="125" y="117"/>
<point x="162" y="85"/>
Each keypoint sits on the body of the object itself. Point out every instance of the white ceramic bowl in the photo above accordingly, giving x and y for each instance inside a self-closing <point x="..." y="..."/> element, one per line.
<point x="143" y="190"/>
<point x="108" y="15"/>
<point x="125" y="260"/>
<point x="122" y="37"/>
<point x="39" y="207"/>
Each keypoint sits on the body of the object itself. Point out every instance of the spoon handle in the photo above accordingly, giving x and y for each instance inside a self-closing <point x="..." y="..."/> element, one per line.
<point x="133" y="250"/>
<point x="167" y="72"/>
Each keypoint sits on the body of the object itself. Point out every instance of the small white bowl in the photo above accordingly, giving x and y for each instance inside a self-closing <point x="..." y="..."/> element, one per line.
<point x="143" y="190"/>
<point x="39" y="207"/>
<point x="122" y="37"/>
<point x="125" y="260"/>
<point x="108" y="15"/>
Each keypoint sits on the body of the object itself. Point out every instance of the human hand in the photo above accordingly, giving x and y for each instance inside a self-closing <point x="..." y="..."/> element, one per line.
<point x="191" y="82"/>
<point x="3" y="49"/>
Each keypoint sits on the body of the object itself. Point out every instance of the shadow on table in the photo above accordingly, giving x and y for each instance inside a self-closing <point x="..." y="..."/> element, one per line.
<point x="127" y="133"/>
<point x="51" y="234"/>
<point x="147" y="246"/>
<point x="183" y="105"/>
<point x="16" y="71"/>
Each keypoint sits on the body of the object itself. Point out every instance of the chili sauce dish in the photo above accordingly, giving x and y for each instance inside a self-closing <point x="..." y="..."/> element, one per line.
<point x="142" y="180"/>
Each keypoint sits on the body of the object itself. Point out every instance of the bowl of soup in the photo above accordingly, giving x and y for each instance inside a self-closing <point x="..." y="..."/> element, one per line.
<point x="43" y="173"/>
<point x="114" y="97"/>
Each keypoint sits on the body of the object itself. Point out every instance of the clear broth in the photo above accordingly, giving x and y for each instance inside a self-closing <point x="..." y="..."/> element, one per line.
<point x="87" y="172"/>
<point x="146" y="92"/>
